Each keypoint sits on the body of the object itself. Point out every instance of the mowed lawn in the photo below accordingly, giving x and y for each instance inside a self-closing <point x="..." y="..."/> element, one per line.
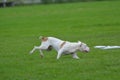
<point x="95" y="23"/>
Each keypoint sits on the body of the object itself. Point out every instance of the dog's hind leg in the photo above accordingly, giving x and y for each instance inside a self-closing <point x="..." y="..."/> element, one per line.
<point x="39" y="48"/>
<point x="35" y="47"/>
<point x="41" y="54"/>
<point x="74" y="55"/>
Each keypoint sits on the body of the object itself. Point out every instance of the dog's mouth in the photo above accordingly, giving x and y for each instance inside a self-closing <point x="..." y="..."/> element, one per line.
<point x="49" y="48"/>
<point x="85" y="51"/>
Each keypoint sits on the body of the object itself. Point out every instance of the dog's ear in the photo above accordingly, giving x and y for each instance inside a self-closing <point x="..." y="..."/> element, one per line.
<point x="79" y="42"/>
<point x="40" y="37"/>
<point x="43" y="38"/>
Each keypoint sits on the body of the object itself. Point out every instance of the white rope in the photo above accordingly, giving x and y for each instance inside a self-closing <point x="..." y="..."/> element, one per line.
<point x="106" y="47"/>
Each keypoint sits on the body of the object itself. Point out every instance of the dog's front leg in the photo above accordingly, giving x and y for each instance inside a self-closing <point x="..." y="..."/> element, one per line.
<point x="74" y="55"/>
<point x="59" y="54"/>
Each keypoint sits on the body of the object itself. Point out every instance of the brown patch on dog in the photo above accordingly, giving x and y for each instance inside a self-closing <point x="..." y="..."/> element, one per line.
<point x="49" y="48"/>
<point x="44" y="39"/>
<point x="62" y="44"/>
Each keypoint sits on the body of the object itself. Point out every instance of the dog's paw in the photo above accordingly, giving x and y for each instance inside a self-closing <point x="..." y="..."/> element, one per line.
<point x="30" y="52"/>
<point x="41" y="56"/>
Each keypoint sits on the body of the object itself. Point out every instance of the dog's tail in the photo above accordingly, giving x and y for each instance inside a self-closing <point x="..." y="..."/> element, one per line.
<point x="40" y="37"/>
<point x="43" y="38"/>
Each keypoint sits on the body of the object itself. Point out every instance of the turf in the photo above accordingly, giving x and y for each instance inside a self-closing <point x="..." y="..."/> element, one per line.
<point x="95" y="23"/>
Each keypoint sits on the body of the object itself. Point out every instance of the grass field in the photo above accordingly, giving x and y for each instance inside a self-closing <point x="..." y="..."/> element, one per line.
<point x="95" y="23"/>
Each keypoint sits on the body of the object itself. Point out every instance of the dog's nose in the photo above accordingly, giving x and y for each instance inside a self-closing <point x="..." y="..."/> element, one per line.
<point x="87" y="50"/>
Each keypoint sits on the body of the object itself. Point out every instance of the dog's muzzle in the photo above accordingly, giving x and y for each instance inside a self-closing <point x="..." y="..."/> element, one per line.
<point x="86" y="50"/>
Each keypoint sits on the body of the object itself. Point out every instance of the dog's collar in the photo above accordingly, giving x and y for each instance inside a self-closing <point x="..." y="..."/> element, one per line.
<point x="63" y="43"/>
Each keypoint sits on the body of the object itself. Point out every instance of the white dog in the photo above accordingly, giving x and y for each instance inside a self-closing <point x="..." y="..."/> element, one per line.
<point x="62" y="47"/>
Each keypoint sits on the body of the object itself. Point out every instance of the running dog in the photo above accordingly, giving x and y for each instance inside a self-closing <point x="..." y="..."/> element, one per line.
<point x="62" y="47"/>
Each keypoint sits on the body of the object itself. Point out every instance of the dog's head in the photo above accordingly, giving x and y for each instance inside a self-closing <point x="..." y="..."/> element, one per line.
<point x="83" y="47"/>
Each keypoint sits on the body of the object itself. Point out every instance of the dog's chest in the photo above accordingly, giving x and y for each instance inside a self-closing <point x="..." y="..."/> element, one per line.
<point x="70" y="48"/>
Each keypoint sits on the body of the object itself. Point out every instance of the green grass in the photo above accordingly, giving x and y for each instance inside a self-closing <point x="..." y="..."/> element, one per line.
<point x="95" y="23"/>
